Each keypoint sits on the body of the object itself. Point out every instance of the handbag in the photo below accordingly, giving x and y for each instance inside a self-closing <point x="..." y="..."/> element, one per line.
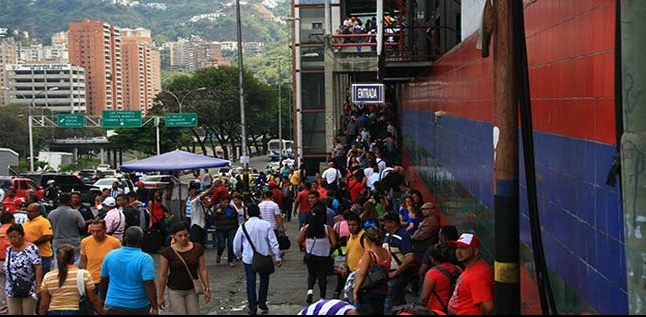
<point x="283" y="240"/>
<point x="262" y="264"/>
<point x="20" y="287"/>
<point x="85" y="308"/>
<point x="376" y="275"/>
<point x="198" y="286"/>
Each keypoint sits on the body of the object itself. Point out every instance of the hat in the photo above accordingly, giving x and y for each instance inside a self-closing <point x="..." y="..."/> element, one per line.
<point x="467" y="240"/>
<point x="428" y="206"/>
<point x="110" y="202"/>
<point x="272" y="184"/>
<point x="391" y="217"/>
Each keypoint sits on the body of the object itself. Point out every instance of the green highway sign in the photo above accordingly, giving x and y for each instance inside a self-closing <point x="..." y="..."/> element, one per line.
<point x="174" y="120"/>
<point x="121" y="119"/>
<point x="70" y="120"/>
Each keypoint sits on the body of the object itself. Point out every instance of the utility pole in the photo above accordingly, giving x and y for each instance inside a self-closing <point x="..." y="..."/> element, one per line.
<point x="243" y="130"/>
<point x="506" y="201"/>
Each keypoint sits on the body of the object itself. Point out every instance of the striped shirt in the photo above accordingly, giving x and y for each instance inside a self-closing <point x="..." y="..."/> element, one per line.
<point x="67" y="296"/>
<point x="328" y="307"/>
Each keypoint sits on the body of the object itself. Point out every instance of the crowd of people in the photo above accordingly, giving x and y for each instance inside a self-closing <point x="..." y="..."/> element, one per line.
<point x="358" y="218"/>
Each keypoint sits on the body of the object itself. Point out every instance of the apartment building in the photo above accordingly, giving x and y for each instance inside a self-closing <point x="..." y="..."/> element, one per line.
<point x="141" y="78"/>
<point x="96" y="46"/>
<point x="195" y="53"/>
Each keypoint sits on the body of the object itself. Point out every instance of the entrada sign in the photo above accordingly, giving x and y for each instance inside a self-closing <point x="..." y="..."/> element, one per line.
<point x="368" y="93"/>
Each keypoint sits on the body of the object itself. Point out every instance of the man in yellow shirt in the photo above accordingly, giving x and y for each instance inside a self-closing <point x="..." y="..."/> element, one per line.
<point x="355" y="250"/>
<point x="94" y="249"/>
<point x="38" y="230"/>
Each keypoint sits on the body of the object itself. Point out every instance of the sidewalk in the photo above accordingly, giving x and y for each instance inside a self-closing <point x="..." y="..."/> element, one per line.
<point x="287" y="286"/>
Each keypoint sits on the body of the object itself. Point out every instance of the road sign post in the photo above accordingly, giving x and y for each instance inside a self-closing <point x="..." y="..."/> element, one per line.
<point x="178" y="120"/>
<point x="70" y="120"/>
<point x="121" y="119"/>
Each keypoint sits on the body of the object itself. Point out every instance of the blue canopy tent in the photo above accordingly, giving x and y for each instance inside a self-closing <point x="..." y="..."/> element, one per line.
<point x="174" y="161"/>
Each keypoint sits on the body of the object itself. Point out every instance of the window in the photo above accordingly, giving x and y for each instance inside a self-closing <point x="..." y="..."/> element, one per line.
<point x="312" y="57"/>
<point x="313" y="91"/>
<point x="311" y="24"/>
<point x="314" y="135"/>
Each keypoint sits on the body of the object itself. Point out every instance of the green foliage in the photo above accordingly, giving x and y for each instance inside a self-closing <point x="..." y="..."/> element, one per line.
<point x="144" y="139"/>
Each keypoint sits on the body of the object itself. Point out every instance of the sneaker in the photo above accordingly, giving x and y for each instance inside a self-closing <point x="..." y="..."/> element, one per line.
<point x="309" y="298"/>
<point x="218" y="259"/>
<point x="263" y="308"/>
<point x="231" y="264"/>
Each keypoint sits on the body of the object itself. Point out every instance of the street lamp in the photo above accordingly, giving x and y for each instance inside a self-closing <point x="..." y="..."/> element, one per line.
<point x="31" y="126"/>
<point x="180" y="102"/>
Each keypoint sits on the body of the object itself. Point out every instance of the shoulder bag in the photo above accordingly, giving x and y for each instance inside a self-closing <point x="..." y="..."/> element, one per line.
<point x="376" y="275"/>
<point x="198" y="286"/>
<point x="20" y="287"/>
<point x="85" y="308"/>
<point x="262" y="264"/>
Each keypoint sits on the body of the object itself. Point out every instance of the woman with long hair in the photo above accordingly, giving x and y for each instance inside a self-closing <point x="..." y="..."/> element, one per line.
<point x="22" y="264"/>
<point x="59" y="292"/>
<point x="179" y="264"/>
<point x="319" y="239"/>
<point x="375" y="255"/>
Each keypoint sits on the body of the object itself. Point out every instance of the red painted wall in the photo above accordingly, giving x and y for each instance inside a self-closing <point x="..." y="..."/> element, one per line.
<point x="570" y="45"/>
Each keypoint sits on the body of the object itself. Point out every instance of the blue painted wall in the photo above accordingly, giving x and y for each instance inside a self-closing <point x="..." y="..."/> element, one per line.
<point x="581" y="216"/>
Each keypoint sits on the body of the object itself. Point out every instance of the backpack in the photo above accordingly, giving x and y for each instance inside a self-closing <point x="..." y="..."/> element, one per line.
<point x="453" y="278"/>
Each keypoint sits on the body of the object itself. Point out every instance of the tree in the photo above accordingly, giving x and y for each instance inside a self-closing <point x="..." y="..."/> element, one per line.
<point x="144" y="139"/>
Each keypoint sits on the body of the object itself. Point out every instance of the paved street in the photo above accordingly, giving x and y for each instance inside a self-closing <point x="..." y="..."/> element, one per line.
<point x="287" y="286"/>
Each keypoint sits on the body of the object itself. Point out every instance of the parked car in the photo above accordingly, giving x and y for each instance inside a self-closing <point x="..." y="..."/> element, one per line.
<point x="21" y="185"/>
<point x="88" y="176"/>
<point x="67" y="183"/>
<point x="107" y="183"/>
<point x="102" y="167"/>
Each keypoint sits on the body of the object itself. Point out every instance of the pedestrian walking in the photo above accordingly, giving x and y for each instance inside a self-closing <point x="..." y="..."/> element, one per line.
<point x="94" y="249"/>
<point x="181" y="263"/>
<point x="59" y="291"/>
<point x="129" y="276"/>
<point x="23" y="272"/>
<point x="260" y="234"/>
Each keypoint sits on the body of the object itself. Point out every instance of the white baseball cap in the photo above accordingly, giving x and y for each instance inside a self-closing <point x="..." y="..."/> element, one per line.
<point x="110" y="202"/>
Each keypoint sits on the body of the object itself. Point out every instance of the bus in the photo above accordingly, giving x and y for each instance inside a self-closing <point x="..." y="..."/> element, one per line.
<point x="274" y="147"/>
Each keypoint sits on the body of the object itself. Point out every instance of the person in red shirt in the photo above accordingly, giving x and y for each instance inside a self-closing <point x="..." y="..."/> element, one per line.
<point x="302" y="206"/>
<point x="473" y="294"/>
<point x="436" y="290"/>
<point x="355" y="187"/>
<point x="218" y="192"/>
<point x="276" y="194"/>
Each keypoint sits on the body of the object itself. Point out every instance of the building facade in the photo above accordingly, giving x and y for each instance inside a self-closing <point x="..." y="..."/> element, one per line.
<point x="8" y="55"/>
<point x="140" y="80"/>
<point x="96" y="46"/>
<point x="196" y="53"/>
<point x="59" y="88"/>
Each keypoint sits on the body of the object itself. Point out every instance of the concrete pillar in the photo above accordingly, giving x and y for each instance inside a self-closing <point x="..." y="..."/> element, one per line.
<point x="330" y="129"/>
<point x="633" y="149"/>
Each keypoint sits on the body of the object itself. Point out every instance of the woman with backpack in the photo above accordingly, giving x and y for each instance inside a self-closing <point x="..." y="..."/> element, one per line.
<point x="439" y="281"/>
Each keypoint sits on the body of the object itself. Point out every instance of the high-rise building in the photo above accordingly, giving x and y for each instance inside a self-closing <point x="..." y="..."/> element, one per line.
<point x="8" y="55"/>
<point x="141" y="80"/>
<point x="196" y="53"/>
<point x="96" y="46"/>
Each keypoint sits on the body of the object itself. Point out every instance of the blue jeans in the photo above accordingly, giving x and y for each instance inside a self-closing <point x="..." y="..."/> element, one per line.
<point x="397" y="290"/>
<point x="46" y="262"/>
<point x="302" y="219"/>
<point x="251" y="289"/>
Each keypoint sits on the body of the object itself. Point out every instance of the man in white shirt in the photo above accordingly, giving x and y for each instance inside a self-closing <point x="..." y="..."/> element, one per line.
<point x="270" y="211"/>
<point x="263" y="238"/>
<point x="331" y="176"/>
<point x="115" y="220"/>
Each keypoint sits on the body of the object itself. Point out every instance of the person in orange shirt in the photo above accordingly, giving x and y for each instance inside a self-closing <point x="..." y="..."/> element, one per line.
<point x="473" y="294"/>
<point x="94" y="249"/>
<point x="38" y="230"/>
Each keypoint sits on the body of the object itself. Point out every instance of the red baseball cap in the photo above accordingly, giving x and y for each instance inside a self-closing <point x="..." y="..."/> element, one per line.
<point x="467" y="240"/>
